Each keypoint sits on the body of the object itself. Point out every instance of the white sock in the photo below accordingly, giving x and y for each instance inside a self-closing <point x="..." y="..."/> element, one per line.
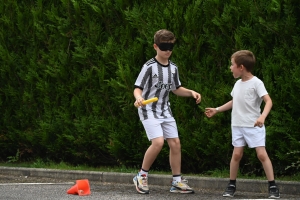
<point x="142" y="172"/>
<point x="177" y="178"/>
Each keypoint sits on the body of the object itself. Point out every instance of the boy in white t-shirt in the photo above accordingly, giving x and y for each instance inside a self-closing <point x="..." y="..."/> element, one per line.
<point x="247" y="121"/>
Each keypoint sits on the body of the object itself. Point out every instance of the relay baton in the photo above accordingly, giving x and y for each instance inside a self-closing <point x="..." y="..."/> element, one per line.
<point x="147" y="101"/>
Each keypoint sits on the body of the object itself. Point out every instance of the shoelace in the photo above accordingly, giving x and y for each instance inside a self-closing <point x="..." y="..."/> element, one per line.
<point x="273" y="189"/>
<point x="183" y="180"/>
<point x="144" y="180"/>
<point x="230" y="187"/>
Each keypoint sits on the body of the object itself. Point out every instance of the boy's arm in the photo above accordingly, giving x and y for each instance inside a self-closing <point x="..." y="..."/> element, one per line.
<point x="183" y="92"/>
<point x="268" y="105"/>
<point x="209" y="112"/>
<point x="226" y="106"/>
<point x="137" y="93"/>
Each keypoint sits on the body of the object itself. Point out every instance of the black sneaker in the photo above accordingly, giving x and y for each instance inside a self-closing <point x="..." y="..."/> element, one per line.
<point x="229" y="191"/>
<point x="274" y="192"/>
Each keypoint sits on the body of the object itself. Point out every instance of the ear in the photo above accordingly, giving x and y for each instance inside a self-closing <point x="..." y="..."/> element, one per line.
<point x="155" y="46"/>
<point x="242" y="67"/>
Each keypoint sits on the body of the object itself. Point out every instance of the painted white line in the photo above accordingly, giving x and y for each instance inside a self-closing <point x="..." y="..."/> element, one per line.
<point x="65" y="183"/>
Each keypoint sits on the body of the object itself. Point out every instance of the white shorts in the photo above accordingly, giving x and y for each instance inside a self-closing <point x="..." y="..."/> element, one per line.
<point x="155" y="128"/>
<point x="253" y="136"/>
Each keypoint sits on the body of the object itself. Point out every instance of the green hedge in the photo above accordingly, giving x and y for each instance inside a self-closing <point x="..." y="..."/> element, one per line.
<point x="68" y="69"/>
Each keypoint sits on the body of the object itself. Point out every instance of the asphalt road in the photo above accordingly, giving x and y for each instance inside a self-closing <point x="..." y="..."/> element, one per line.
<point x="39" y="188"/>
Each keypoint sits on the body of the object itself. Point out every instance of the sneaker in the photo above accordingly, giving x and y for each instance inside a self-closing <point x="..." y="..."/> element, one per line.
<point x="229" y="191"/>
<point x="181" y="187"/>
<point x="274" y="192"/>
<point x="184" y="180"/>
<point x="141" y="184"/>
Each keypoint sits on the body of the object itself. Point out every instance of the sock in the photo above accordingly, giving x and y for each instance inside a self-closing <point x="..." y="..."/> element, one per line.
<point x="177" y="178"/>
<point x="272" y="183"/>
<point x="233" y="182"/>
<point x="143" y="172"/>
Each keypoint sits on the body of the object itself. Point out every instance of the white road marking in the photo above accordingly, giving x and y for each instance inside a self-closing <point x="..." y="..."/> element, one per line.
<point x="65" y="183"/>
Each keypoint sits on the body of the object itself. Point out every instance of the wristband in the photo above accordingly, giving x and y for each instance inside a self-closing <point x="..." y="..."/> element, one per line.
<point x="217" y="109"/>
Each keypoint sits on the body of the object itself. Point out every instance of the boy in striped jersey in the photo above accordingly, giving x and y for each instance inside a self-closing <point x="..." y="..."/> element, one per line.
<point x="157" y="78"/>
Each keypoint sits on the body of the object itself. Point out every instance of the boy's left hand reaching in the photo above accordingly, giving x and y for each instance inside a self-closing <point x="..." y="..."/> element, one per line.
<point x="196" y="96"/>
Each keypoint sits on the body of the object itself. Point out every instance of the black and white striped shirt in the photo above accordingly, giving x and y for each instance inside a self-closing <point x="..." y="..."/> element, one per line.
<point x="157" y="80"/>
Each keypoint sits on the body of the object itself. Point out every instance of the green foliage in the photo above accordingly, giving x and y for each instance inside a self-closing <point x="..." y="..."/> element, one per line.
<point x="68" y="69"/>
<point x="12" y="159"/>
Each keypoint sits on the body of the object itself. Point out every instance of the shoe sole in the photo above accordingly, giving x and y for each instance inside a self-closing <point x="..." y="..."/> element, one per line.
<point x="228" y="195"/>
<point x="273" y="197"/>
<point x="182" y="191"/>
<point x="138" y="189"/>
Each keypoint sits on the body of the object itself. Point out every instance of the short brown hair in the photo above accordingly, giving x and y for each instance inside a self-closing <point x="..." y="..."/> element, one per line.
<point x="164" y="35"/>
<point x="246" y="58"/>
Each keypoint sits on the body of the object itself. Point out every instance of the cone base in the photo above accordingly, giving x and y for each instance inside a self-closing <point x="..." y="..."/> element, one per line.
<point x="81" y="188"/>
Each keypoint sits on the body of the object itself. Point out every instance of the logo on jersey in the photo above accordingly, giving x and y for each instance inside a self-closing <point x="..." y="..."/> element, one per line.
<point x="161" y="85"/>
<point x="155" y="76"/>
<point x="173" y="72"/>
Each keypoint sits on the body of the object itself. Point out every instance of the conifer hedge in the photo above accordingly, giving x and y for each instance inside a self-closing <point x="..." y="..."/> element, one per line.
<point x="68" y="69"/>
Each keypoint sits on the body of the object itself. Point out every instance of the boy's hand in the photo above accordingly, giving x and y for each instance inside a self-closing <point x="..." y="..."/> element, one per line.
<point x="139" y="102"/>
<point x="260" y="121"/>
<point x="209" y="112"/>
<point x="196" y="96"/>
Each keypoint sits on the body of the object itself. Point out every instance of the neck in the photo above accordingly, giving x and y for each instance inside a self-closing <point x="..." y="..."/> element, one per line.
<point x="162" y="61"/>
<point x="247" y="77"/>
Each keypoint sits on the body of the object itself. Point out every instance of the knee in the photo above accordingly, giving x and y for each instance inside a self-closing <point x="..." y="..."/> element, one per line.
<point x="262" y="157"/>
<point x="174" y="143"/>
<point x="237" y="156"/>
<point x="158" y="143"/>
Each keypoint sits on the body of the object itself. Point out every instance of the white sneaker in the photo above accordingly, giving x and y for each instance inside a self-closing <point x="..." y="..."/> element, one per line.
<point x="141" y="183"/>
<point x="181" y="187"/>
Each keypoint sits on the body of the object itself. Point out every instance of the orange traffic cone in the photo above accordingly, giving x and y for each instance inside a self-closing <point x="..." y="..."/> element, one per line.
<point x="82" y="188"/>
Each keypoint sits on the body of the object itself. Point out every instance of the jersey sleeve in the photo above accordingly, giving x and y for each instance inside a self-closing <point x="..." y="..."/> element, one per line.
<point x="143" y="77"/>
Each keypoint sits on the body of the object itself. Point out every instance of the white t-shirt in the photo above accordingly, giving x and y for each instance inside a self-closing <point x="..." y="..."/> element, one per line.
<point x="247" y="99"/>
<point x="157" y="80"/>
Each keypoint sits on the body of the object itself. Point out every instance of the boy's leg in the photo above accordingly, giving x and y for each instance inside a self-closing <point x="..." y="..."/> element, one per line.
<point x="237" y="155"/>
<point x="178" y="185"/>
<point x="238" y="142"/>
<point x="171" y="135"/>
<point x="268" y="168"/>
<point x="155" y="135"/>
<point x="256" y="138"/>
<point x="175" y="155"/>
<point x="267" y="165"/>
<point x="152" y="152"/>
<point x="266" y="162"/>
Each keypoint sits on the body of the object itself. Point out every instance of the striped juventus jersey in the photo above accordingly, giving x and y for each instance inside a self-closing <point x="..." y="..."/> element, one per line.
<point x="157" y="80"/>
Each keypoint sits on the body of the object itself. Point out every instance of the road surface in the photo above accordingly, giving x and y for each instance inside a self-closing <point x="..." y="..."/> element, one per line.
<point x="39" y="188"/>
